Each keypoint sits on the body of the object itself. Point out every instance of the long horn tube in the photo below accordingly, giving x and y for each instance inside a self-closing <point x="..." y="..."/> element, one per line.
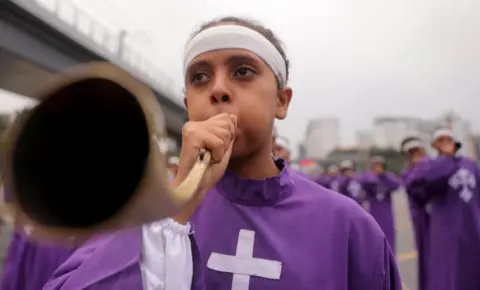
<point x="99" y="117"/>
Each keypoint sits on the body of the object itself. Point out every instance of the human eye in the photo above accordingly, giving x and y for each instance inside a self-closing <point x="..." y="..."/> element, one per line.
<point x="198" y="77"/>
<point x="244" y="72"/>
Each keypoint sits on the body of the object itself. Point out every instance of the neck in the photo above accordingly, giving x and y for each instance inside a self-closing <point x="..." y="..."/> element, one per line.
<point x="259" y="165"/>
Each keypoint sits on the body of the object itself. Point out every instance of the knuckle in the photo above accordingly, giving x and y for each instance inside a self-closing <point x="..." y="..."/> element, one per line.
<point x="188" y="129"/>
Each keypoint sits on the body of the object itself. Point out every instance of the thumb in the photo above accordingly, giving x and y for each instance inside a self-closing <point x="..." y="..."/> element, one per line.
<point x="219" y="168"/>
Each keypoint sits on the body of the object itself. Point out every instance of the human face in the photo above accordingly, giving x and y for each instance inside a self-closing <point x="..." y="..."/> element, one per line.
<point x="416" y="154"/>
<point x="238" y="82"/>
<point x="444" y="145"/>
<point x="378" y="167"/>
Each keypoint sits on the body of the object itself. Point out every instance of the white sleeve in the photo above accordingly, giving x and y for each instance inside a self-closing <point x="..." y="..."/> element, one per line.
<point x="167" y="256"/>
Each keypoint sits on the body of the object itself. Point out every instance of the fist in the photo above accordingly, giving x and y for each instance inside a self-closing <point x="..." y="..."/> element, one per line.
<point x="214" y="134"/>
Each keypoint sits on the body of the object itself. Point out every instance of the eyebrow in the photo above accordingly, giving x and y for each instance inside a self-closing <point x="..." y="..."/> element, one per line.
<point x="236" y="58"/>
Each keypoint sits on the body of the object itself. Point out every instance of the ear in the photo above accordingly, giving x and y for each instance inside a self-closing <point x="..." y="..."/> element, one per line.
<point x="283" y="101"/>
<point x="185" y="102"/>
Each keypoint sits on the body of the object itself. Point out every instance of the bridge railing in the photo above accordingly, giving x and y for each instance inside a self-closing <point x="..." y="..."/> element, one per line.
<point x="107" y="40"/>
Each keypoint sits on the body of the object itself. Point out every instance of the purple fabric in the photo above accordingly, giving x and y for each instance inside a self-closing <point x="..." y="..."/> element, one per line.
<point x="450" y="185"/>
<point x="379" y="189"/>
<point x="337" y="245"/>
<point x="352" y="187"/>
<point x="420" y="221"/>
<point x="28" y="265"/>
<point x="112" y="262"/>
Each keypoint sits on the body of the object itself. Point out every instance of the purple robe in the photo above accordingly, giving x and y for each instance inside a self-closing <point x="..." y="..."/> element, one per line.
<point x="323" y="180"/>
<point x="336" y="245"/>
<point x="303" y="174"/>
<point x="111" y="262"/>
<point x="420" y="220"/>
<point x="450" y="184"/>
<point x="28" y="265"/>
<point x="333" y="182"/>
<point x="287" y="232"/>
<point x="379" y="189"/>
<point x="352" y="187"/>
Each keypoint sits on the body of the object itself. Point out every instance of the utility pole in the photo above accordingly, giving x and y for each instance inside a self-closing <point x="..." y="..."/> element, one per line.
<point x="121" y="44"/>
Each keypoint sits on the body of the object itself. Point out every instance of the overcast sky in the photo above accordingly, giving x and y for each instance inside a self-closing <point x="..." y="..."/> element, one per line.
<point x="351" y="59"/>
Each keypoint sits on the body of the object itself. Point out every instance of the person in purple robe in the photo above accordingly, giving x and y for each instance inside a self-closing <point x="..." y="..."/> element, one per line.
<point x="350" y="183"/>
<point x="450" y="184"/>
<point x="322" y="177"/>
<point x="379" y="185"/>
<point x="258" y="226"/>
<point x="29" y="265"/>
<point x="331" y="179"/>
<point x="413" y="151"/>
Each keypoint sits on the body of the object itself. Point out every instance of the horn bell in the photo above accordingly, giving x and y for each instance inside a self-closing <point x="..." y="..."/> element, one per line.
<point x="88" y="158"/>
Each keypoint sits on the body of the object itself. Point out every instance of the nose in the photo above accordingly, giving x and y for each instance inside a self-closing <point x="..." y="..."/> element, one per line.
<point x="221" y="90"/>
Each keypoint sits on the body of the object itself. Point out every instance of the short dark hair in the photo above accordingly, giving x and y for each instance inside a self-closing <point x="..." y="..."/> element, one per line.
<point x="254" y="25"/>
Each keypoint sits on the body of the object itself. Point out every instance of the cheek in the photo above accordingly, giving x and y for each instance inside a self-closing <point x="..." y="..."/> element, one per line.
<point x="198" y="108"/>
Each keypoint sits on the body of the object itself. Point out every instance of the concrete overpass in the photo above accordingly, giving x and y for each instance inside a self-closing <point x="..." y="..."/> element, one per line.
<point x="38" y="40"/>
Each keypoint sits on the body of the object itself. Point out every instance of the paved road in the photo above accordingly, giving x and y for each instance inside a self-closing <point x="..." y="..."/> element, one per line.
<point x="406" y="255"/>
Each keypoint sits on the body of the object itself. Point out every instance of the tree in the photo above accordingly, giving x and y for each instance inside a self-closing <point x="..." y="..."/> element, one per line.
<point x="393" y="158"/>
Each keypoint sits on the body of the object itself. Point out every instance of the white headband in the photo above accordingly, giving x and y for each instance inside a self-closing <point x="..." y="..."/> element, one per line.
<point x="332" y="167"/>
<point x="415" y="143"/>
<point x="346" y="164"/>
<point x="283" y="142"/>
<point x="444" y="132"/>
<point x="236" y="37"/>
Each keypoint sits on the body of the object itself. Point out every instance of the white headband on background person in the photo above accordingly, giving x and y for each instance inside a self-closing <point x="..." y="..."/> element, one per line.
<point x="442" y="132"/>
<point x="346" y="164"/>
<point x="283" y="142"/>
<point x="412" y="144"/>
<point x="236" y="37"/>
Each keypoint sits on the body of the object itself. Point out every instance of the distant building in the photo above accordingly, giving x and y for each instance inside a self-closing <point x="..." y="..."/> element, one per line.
<point x="476" y="139"/>
<point x="302" y="150"/>
<point x="388" y="132"/>
<point x="361" y="158"/>
<point x="365" y="140"/>
<point x="322" y="137"/>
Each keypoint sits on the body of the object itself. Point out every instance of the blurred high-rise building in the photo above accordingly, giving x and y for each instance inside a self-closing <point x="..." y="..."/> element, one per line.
<point x="322" y="137"/>
<point x="364" y="140"/>
<point x="302" y="150"/>
<point x="388" y="132"/>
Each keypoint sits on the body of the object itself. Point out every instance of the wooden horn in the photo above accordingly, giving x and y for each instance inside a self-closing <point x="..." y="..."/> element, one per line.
<point x="89" y="157"/>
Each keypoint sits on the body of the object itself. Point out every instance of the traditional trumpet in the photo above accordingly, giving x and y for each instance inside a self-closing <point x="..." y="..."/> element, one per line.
<point x="89" y="157"/>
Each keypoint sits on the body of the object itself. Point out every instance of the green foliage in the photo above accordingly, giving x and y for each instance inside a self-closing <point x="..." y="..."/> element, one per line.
<point x="394" y="159"/>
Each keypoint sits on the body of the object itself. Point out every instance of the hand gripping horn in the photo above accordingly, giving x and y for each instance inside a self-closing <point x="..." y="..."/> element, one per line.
<point x="89" y="157"/>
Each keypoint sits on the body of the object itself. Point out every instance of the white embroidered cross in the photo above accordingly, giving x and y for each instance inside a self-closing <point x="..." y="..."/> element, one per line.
<point x="243" y="265"/>
<point x="354" y="188"/>
<point x="464" y="180"/>
<point x="380" y="192"/>
<point x="334" y="186"/>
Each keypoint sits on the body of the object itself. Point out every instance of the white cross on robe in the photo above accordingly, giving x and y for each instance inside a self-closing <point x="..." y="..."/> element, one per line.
<point x="380" y="192"/>
<point x="354" y="188"/>
<point x="335" y="186"/>
<point x="243" y="265"/>
<point x="464" y="180"/>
